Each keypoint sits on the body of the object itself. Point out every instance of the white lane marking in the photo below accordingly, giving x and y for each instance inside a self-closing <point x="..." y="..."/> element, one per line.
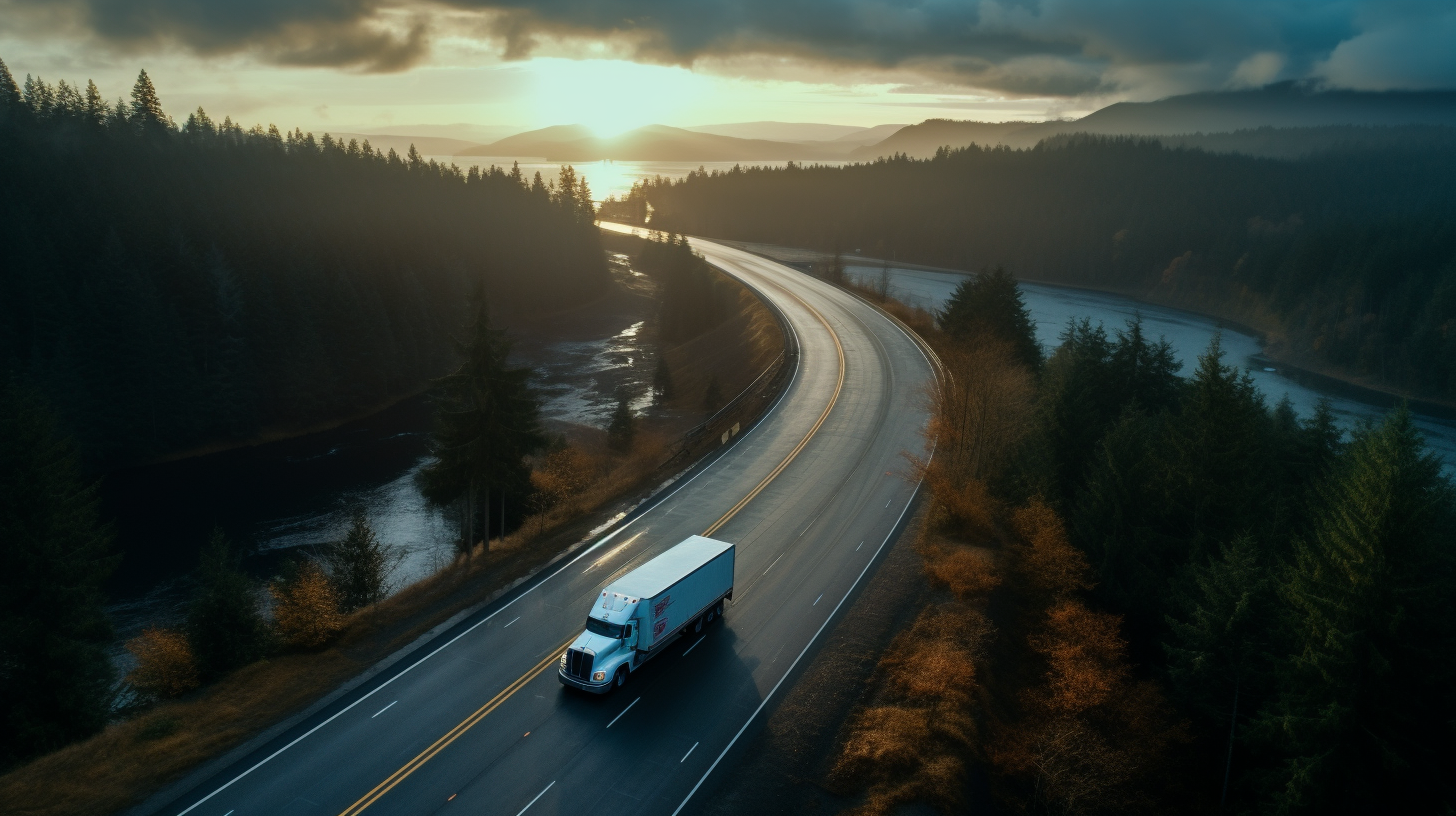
<point x="861" y="544"/>
<point x="624" y="711"/>
<point x="612" y="552"/>
<point x="818" y="599"/>
<point x="804" y="651"/>
<point x="688" y="754"/>
<point x="887" y="504"/>
<point x="583" y="554"/>
<point x="538" y="796"/>
<point x="775" y="561"/>
<point x="810" y="526"/>
<point x="513" y="620"/>
<point x="694" y="646"/>
<point x="377" y="713"/>
<point x="229" y="813"/>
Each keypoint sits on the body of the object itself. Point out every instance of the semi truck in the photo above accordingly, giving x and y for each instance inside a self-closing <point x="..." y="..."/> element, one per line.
<point x="634" y="617"/>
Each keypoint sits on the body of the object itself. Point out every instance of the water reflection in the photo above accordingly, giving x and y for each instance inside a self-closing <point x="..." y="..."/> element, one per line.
<point x="1052" y="306"/>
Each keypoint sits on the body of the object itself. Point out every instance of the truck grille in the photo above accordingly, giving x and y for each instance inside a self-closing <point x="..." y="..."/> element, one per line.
<point x="578" y="664"/>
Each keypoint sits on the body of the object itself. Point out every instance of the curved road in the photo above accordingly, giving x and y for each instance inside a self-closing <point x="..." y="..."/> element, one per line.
<point x="478" y="723"/>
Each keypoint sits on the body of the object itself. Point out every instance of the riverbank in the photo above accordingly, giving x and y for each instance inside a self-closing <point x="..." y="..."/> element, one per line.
<point x="1274" y="343"/>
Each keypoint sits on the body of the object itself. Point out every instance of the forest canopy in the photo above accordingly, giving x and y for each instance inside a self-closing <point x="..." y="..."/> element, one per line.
<point x="171" y="287"/>
<point x="1348" y="253"/>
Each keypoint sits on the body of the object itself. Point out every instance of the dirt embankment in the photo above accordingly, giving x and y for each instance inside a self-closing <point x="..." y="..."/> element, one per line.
<point x="158" y="754"/>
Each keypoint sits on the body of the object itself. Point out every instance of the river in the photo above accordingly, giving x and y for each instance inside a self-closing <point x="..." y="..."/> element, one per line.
<point x="1052" y="307"/>
<point x="299" y="493"/>
<point x="275" y="498"/>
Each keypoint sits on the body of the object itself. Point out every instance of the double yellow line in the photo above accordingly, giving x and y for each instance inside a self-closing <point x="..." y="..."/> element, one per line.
<point x="495" y="702"/>
<point x="838" y="386"/>
<point x="453" y="734"/>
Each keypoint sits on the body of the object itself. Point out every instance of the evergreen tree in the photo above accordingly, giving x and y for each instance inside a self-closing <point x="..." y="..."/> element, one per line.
<point x="146" y="106"/>
<point x="224" y="626"/>
<point x="623" y="427"/>
<point x="1222" y="649"/>
<point x="360" y="565"/>
<point x="662" y="388"/>
<point x="1217" y="462"/>
<point x="55" y="675"/>
<point x="1365" y="707"/>
<point x="96" y="107"/>
<point x="713" y="395"/>
<point x="486" y="423"/>
<point x="10" y="99"/>
<point x="990" y="303"/>
<point x="1144" y="372"/>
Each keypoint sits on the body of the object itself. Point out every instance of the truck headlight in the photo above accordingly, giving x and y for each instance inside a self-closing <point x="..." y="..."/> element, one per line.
<point x="599" y="676"/>
<point x="563" y="660"/>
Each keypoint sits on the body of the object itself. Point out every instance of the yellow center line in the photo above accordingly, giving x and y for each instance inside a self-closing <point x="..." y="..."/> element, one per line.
<point x="838" y="386"/>
<point x="453" y="734"/>
<point x="495" y="702"/>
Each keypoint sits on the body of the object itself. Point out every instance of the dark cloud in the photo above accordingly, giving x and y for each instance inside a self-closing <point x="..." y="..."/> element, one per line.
<point x="1019" y="47"/>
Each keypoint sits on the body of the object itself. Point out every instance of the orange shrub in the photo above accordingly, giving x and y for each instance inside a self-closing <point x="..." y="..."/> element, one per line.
<point x="306" y="609"/>
<point x="1045" y="559"/>
<point x="1086" y="657"/>
<point x="968" y="572"/>
<point x="165" y="664"/>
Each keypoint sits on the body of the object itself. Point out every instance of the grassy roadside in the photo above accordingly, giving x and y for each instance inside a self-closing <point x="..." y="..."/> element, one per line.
<point x="134" y="759"/>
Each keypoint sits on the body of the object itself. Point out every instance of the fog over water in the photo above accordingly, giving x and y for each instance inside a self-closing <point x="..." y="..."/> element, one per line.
<point x="607" y="178"/>
<point x="1052" y="307"/>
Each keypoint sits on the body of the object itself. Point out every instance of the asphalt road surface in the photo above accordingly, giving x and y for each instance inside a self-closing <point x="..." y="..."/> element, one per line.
<point x="478" y="723"/>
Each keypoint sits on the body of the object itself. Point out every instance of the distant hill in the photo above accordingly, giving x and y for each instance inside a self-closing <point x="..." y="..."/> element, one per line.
<point x="922" y="140"/>
<point x="1281" y="105"/>
<point x="650" y="143"/>
<point x="476" y="134"/>
<point x="782" y="131"/>
<point x="871" y="135"/>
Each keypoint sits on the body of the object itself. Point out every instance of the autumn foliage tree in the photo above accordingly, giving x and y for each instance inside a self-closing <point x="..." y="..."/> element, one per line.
<point x="980" y="415"/>
<point x="305" y="607"/>
<point x="165" y="666"/>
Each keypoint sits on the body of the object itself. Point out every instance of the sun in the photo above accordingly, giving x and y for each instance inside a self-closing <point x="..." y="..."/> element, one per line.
<point x="609" y="97"/>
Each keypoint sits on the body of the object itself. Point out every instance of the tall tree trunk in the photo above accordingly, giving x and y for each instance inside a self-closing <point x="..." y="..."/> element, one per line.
<point x="1229" y="762"/>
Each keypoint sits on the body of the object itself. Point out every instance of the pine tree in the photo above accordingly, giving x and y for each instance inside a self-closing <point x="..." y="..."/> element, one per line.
<point x="360" y="565"/>
<point x="1222" y="649"/>
<point x="55" y="676"/>
<point x="224" y="625"/>
<point x="1366" y="699"/>
<point x="662" y="388"/>
<point x="487" y="420"/>
<point x="713" y="396"/>
<point x="146" y="106"/>
<point x="11" y="101"/>
<point x="991" y="303"/>
<point x="623" y="427"/>
<point x="96" y="107"/>
<point x="1218" y="461"/>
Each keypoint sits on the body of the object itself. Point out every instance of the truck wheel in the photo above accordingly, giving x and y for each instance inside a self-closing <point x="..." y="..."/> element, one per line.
<point x="620" y="678"/>
<point x="698" y="625"/>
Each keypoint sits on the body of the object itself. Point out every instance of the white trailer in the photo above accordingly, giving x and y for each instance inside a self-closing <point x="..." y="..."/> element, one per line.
<point x="644" y="610"/>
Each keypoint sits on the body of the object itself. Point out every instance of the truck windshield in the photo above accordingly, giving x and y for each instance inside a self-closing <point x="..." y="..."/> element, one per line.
<point x="601" y="627"/>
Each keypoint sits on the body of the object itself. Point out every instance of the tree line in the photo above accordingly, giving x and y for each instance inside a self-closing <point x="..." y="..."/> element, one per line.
<point x="1166" y="595"/>
<point x="170" y="287"/>
<point x="1348" y="252"/>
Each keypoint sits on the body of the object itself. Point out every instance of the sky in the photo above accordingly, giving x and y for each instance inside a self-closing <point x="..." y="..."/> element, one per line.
<point x="510" y="65"/>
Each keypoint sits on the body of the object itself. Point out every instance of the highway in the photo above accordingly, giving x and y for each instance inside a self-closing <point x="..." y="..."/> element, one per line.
<point x="476" y="722"/>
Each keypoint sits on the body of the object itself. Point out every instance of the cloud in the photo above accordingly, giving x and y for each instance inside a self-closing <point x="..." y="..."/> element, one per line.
<point x="1016" y="48"/>
<point x="1417" y="51"/>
